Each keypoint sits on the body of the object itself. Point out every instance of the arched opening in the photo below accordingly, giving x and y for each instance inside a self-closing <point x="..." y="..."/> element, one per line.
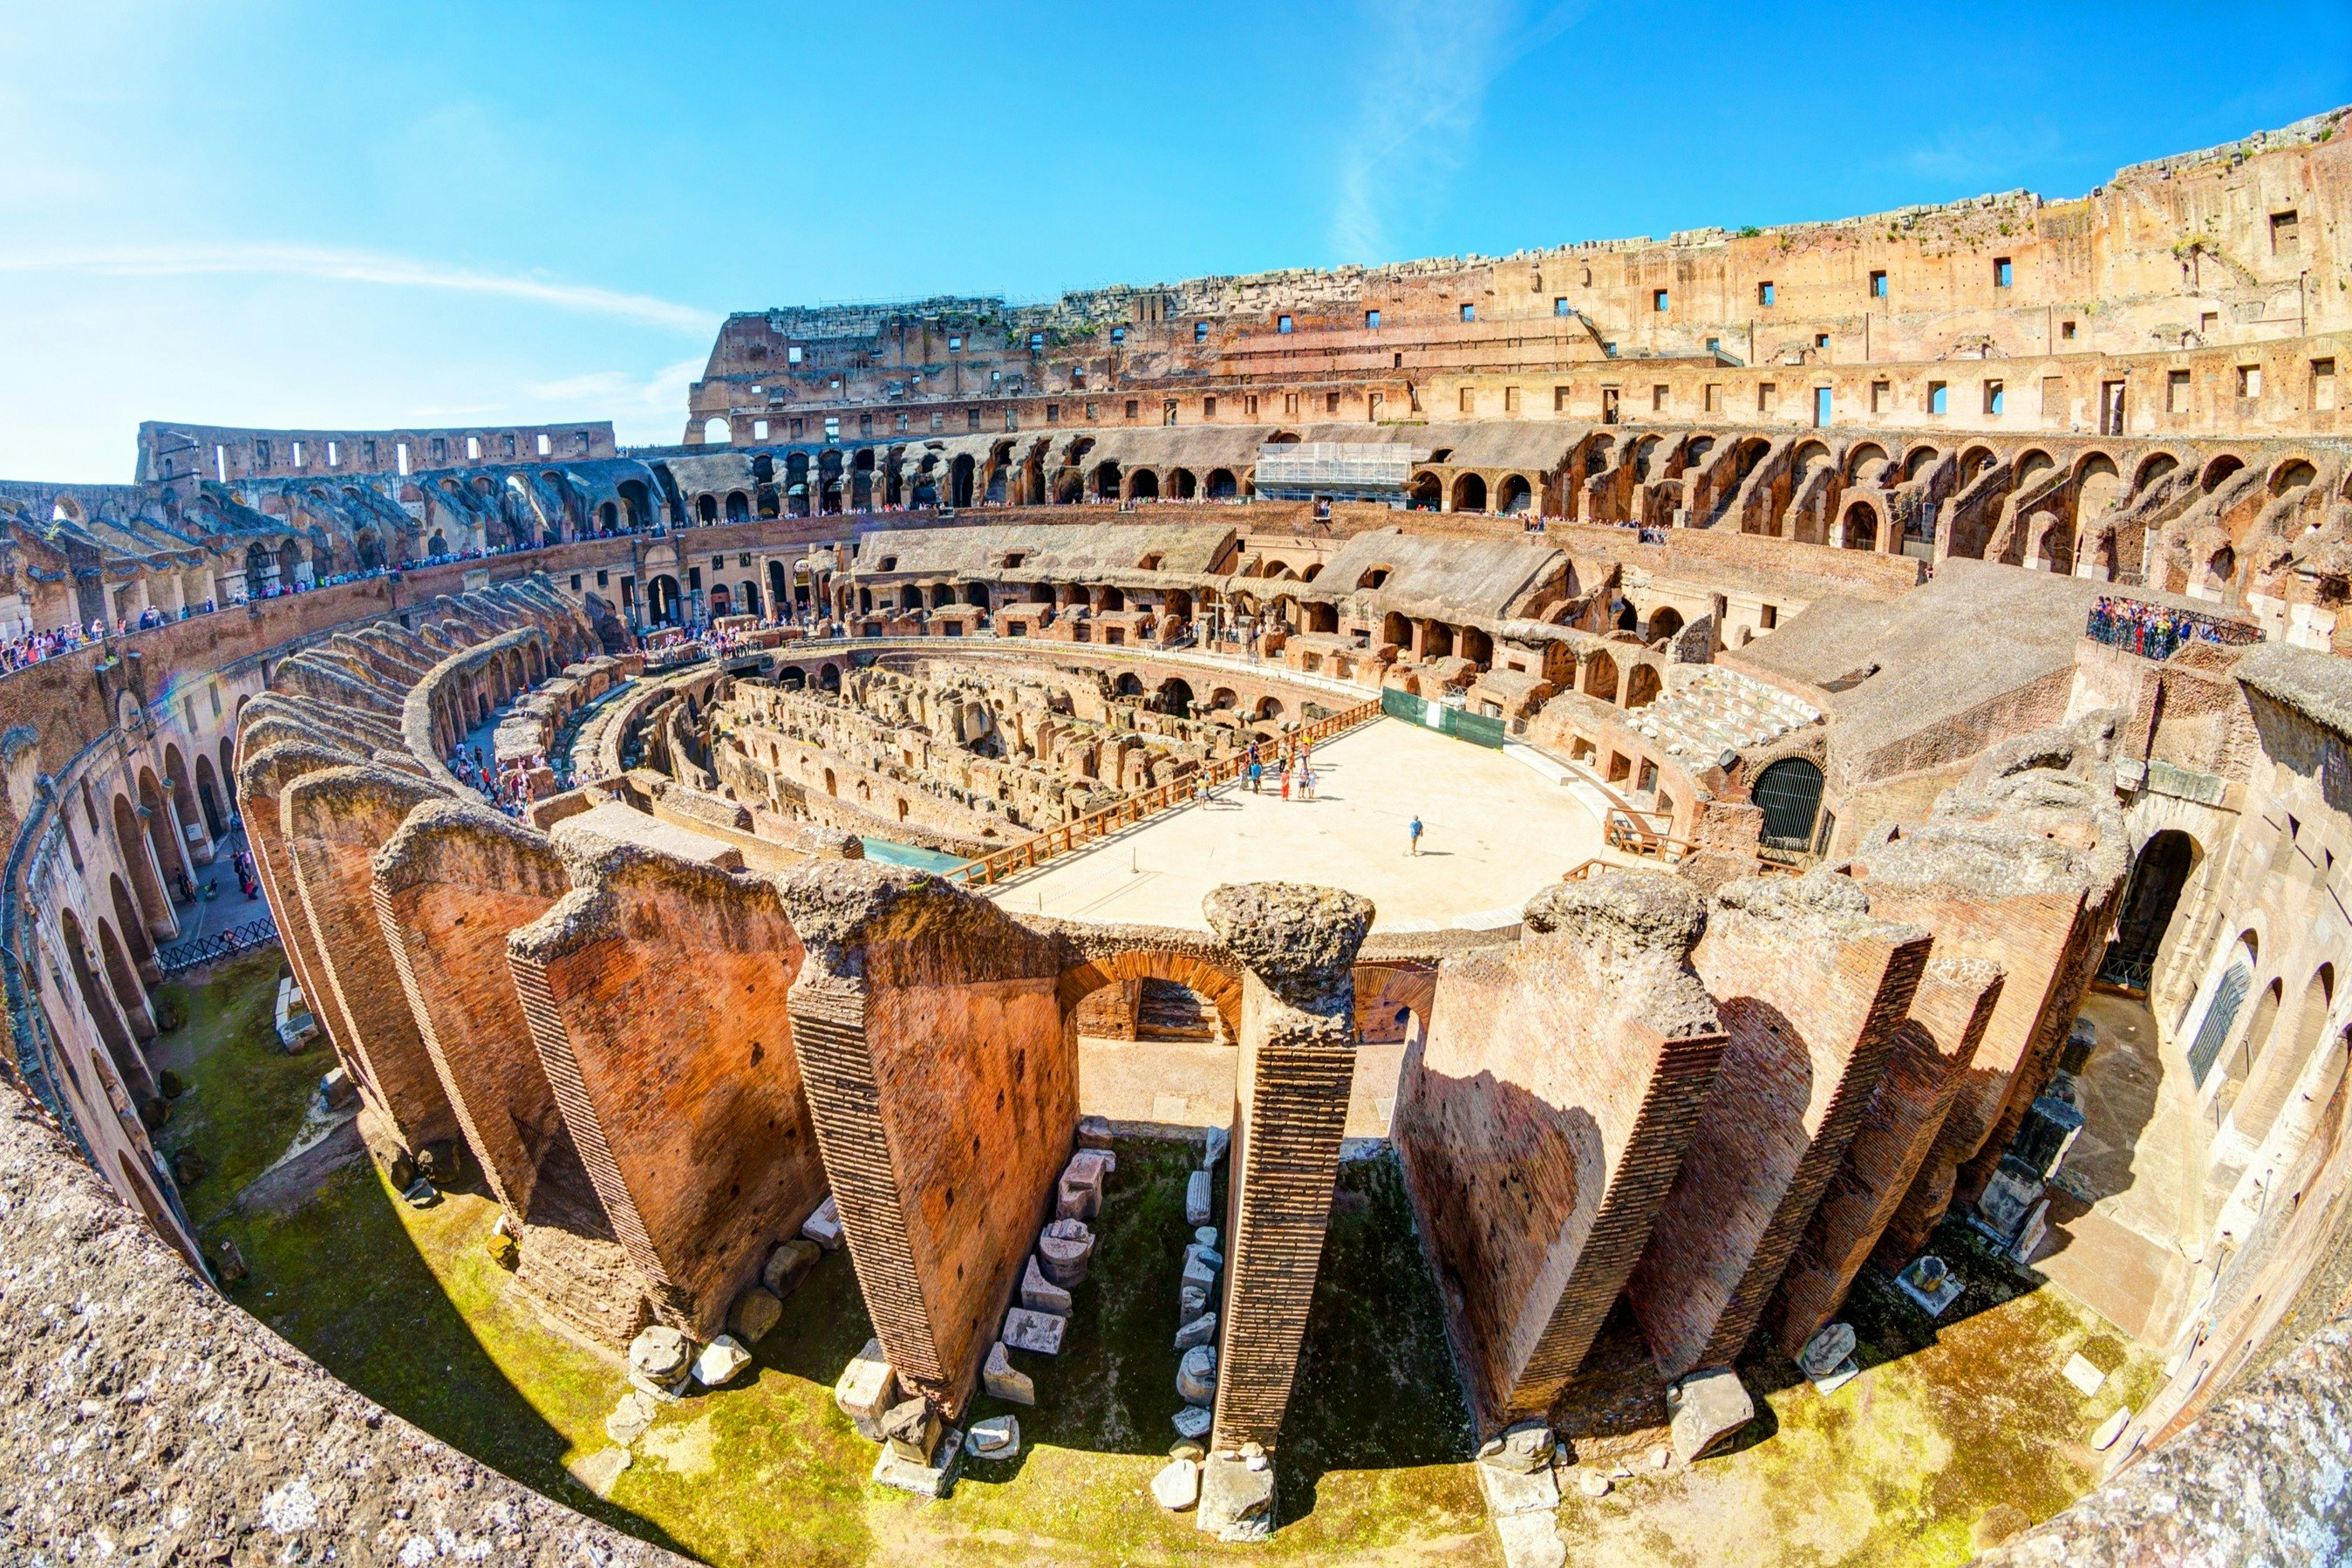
<point x="2229" y="996"/>
<point x="1268" y="709"/>
<point x="133" y="929"/>
<point x="1469" y="494"/>
<point x="828" y="677"/>
<point x="1174" y="698"/>
<point x="208" y="798"/>
<point x="1222" y="485"/>
<point x="1437" y="640"/>
<point x="2159" y="873"/>
<point x="1477" y="648"/>
<point x="131" y="848"/>
<point x="1425" y="493"/>
<point x="128" y="992"/>
<point x="1129" y="684"/>
<point x="715" y="432"/>
<point x="1641" y="686"/>
<point x="1514" y="496"/>
<point x="662" y="600"/>
<point x="1788" y="793"/>
<point x="2273" y="1078"/>
<point x="832" y="785"/>
<point x="2219" y="469"/>
<point x="1143" y="485"/>
<point x="2255" y="1042"/>
<point x="1108" y="479"/>
<point x="1180" y="484"/>
<point x="1860" y="529"/>
<point x="1395" y="630"/>
<point x="1153" y="1034"/>
<point x="128" y="1065"/>
<point x="1664" y="622"/>
<point x="1322" y="619"/>
<point x="738" y="507"/>
<point x="1601" y="677"/>
<point x="960" y="481"/>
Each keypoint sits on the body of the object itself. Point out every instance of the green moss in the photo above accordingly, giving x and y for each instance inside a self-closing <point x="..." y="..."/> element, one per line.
<point x="245" y="1096"/>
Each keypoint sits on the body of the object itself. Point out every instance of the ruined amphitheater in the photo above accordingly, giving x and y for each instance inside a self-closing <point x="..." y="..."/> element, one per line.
<point x="1768" y="803"/>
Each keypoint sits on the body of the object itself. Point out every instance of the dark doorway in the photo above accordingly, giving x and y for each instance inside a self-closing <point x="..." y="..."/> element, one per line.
<point x="1789" y="794"/>
<point x="2157" y="879"/>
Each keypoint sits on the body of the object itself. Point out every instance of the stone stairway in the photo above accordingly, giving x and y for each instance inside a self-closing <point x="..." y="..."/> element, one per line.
<point x="1720" y="711"/>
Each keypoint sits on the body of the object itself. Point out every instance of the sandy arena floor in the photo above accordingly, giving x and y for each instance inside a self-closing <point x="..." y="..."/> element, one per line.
<point x="1494" y="831"/>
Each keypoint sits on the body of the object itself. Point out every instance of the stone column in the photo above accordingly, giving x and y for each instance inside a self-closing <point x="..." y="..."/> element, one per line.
<point x="1297" y="946"/>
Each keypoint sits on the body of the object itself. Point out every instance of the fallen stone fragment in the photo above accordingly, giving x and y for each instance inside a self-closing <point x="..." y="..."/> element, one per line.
<point x="631" y="1418"/>
<point x="1005" y="1380"/>
<point x="1192" y="1300"/>
<point x="1094" y="1133"/>
<point x="1531" y="1540"/>
<point x="1193" y="1421"/>
<point x="824" y="1227"/>
<point x="998" y="1437"/>
<point x="1592" y="1483"/>
<point x="1236" y="1500"/>
<point x="1040" y="1294"/>
<point x="1178" y="1486"/>
<point x="1064" y="1252"/>
<point x="1196" y="1375"/>
<point x="1201" y="1331"/>
<point x="1206" y="1235"/>
<point x="1510" y="1491"/>
<point x="934" y="1479"/>
<point x="1826" y="1351"/>
<point x="1198" y="1270"/>
<point x="720" y="1361"/>
<point x="1037" y="1331"/>
<point x="788" y="1265"/>
<point x="867" y="1388"/>
<point x="755" y="1311"/>
<point x="1197" y="1188"/>
<point x="1707" y="1410"/>
<point x="1522" y="1447"/>
<point x="1218" y="1141"/>
<point x="911" y="1427"/>
<point x="660" y="1352"/>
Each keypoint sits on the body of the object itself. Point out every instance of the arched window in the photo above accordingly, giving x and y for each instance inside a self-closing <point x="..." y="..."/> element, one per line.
<point x="2221" y="1012"/>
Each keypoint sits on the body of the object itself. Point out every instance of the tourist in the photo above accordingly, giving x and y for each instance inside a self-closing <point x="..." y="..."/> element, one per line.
<point x="1285" y="780"/>
<point x="1306" y="780"/>
<point x="1413" y="830"/>
<point x="1255" y="768"/>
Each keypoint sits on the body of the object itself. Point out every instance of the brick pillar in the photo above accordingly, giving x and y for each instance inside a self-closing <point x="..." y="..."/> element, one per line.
<point x="448" y="887"/>
<point x="261" y="775"/>
<point x="1925" y="1070"/>
<point x="333" y="822"/>
<point x="1544" y="1118"/>
<point x="1812" y="988"/>
<point x="1297" y="946"/>
<point x="655" y="992"/>
<point x="944" y="1088"/>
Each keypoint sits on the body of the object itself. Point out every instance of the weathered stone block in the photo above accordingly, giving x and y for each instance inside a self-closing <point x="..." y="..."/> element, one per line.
<point x="788" y="1265"/>
<point x="1706" y="1410"/>
<point x="1037" y="1331"/>
<point x="1236" y="1497"/>
<point x="867" y="1388"/>
<point x="1039" y="1294"/>
<point x="1001" y="1380"/>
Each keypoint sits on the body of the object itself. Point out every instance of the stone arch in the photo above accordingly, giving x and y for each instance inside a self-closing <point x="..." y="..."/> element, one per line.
<point x="1864" y="461"/>
<point x="2154" y="465"/>
<point x="1918" y="460"/>
<point x="2292" y="473"/>
<point x="1222" y="485"/>
<point x="128" y="994"/>
<point x="1664" y="622"/>
<point x="99" y="1006"/>
<point x="1600" y="676"/>
<point x="133" y="929"/>
<point x="2219" y="468"/>
<point x="1143" y="485"/>
<point x="1182" y="485"/>
<point x="138" y="857"/>
<point x="1220" y="987"/>
<point x="1860" y="527"/>
<point x="1423" y="492"/>
<point x="2098" y="485"/>
<point x="1642" y="685"/>
<point x="2274" y="1077"/>
<point x="1515" y="497"/>
<point x="1469" y="492"/>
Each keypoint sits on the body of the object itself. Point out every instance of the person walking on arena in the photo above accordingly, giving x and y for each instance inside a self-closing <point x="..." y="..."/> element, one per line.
<point x="1413" y="830"/>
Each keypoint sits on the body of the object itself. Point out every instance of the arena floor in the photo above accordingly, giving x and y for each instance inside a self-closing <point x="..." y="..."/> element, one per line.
<point x="1494" y="831"/>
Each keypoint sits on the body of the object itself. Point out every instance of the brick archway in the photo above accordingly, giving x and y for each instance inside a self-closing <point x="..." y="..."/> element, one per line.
<point x="1220" y="987"/>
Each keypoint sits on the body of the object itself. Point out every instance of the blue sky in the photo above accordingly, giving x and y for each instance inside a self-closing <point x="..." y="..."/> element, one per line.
<point x="282" y="214"/>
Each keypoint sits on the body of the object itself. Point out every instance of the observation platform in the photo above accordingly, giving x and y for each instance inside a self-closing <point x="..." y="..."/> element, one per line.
<point x="1494" y="830"/>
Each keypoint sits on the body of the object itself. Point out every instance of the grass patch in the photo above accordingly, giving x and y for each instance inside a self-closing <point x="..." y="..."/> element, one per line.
<point x="245" y="1096"/>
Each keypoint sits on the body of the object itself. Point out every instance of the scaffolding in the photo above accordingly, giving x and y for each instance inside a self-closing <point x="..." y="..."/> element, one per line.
<point x="1340" y="470"/>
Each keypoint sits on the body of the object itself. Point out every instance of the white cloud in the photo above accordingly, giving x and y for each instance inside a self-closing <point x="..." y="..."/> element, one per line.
<point x="1429" y="64"/>
<point x="338" y="266"/>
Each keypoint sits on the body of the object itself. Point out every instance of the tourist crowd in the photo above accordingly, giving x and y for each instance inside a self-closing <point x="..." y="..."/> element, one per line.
<point x="2155" y="631"/>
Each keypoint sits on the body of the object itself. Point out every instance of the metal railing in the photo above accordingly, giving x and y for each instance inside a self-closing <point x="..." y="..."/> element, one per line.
<point x="1097" y="825"/>
<point x="217" y="945"/>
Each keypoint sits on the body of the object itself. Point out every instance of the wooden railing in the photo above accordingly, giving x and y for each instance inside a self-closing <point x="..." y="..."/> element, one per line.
<point x="1134" y="809"/>
<point x="1625" y="832"/>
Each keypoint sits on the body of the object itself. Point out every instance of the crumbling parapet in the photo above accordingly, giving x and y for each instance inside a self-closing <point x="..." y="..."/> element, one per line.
<point x="1545" y="1118"/>
<point x="1297" y="948"/>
